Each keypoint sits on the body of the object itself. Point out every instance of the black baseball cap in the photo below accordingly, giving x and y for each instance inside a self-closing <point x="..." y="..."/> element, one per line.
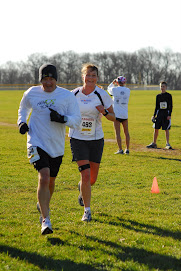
<point x="47" y="70"/>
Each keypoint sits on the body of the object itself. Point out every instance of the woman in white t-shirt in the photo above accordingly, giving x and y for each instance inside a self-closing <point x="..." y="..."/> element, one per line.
<point x="121" y="98"/>
<point x="87" y="142"/>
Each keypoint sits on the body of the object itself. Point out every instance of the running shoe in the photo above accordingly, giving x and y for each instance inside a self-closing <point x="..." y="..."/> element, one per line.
<point x="168" y="147"/>
<point x="119" y="152"/>
<point x="152" y="146"/>
<point x="87" y="216"/>
<point x="126" y="152"/>
<point x="46" y="227"/>
<point x="80" y="199"/>
<point x="41" y="218"/>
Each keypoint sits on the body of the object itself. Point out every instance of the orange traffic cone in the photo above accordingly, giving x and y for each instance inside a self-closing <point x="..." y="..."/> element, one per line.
<point x="155" y="188"/>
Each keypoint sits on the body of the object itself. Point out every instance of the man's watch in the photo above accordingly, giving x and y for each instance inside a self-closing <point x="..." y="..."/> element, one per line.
<point x="107" y="112"/>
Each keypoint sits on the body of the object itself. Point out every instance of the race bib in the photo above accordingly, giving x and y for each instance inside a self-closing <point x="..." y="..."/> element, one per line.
<point x="163" y="105"/>
<point x="87" y="126"/>
<point x="33" y="155"/>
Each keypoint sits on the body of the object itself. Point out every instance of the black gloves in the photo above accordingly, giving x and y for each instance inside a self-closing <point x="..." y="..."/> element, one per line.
<point x="153" y="119"/>
<point x="55" y="116"/>
<point x="23" y="128"/>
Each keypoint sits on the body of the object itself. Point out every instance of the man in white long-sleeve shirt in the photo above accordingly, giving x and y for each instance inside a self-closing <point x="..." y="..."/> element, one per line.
<point x="51" y="108"/>
<point x="120" y="95"/>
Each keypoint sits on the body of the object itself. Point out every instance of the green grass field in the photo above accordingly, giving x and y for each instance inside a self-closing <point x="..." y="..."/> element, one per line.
<point x="132" y="229"/>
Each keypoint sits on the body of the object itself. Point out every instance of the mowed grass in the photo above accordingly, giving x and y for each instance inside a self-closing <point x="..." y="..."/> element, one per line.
<point x="132" y="229"/>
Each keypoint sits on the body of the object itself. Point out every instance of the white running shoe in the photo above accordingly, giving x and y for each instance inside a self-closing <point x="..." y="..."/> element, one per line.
<point x="152" y="146"/>
<point x="87" y="216"/>
<point x="41" y="218"/>
<point x="126" y="151"/>
<point x="119" y="152"/>
<point x="168" y="147"/>
<point x="46" y="227"/>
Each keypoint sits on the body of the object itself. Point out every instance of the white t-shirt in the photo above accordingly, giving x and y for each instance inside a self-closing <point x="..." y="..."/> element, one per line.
<point x="121" y="99"/>
<point x="44" y="133"/>
<point x="91" y="125"/>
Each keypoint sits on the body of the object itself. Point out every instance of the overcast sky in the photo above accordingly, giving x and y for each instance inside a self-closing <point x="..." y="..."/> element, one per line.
<point x="50" y="27"/>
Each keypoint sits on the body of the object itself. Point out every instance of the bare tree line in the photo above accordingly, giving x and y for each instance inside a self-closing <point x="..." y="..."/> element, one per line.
<point x="146" y="66"/>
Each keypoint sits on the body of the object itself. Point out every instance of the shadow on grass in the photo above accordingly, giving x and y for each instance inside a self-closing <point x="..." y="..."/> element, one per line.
<point x="172" y="159"/>
<point x="55" y="241"/>
<point x="150" y="259"/>
<point x="159" y="158"/>
<point x="44" y="262"/>
<point x="124" y="253"/>
<point x="140" y="227"/>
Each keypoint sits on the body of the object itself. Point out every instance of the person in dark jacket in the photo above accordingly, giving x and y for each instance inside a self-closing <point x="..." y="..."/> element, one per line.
<point x="162" y="115"/>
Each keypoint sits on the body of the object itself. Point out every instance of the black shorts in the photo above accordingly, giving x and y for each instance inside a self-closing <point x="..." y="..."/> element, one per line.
<point x="46" y="161"/>
<point x="87" y="149"/>
<point x="120" y="120"/>
<point x="161" y="121"/>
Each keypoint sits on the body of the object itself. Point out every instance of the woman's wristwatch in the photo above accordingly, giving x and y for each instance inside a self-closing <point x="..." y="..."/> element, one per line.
<point x="106" y="112"/>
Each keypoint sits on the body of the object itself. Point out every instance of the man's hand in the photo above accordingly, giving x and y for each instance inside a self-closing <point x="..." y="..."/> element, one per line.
<point x="23" y="128"/>
<point x="55" y="116"/>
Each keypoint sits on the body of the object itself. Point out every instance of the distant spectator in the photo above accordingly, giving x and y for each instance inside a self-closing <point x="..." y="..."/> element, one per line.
<point x="121" y="96"/>
<point x="162" y="115"/>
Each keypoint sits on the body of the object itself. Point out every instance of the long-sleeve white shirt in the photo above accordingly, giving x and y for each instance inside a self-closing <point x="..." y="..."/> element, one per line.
<point x="44" y="133"/>
<point x="121" y="98"/>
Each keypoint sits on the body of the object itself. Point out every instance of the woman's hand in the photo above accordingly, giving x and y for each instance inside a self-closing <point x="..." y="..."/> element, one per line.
<point x="110" y="115"/>
<point x="101" y="109"/>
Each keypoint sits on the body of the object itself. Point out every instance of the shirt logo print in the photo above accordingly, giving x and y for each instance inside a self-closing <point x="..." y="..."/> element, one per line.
<point x="46" y="104"/>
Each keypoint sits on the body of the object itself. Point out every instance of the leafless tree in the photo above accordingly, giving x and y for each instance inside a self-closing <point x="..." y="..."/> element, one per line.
<point x="145" y="66"/>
